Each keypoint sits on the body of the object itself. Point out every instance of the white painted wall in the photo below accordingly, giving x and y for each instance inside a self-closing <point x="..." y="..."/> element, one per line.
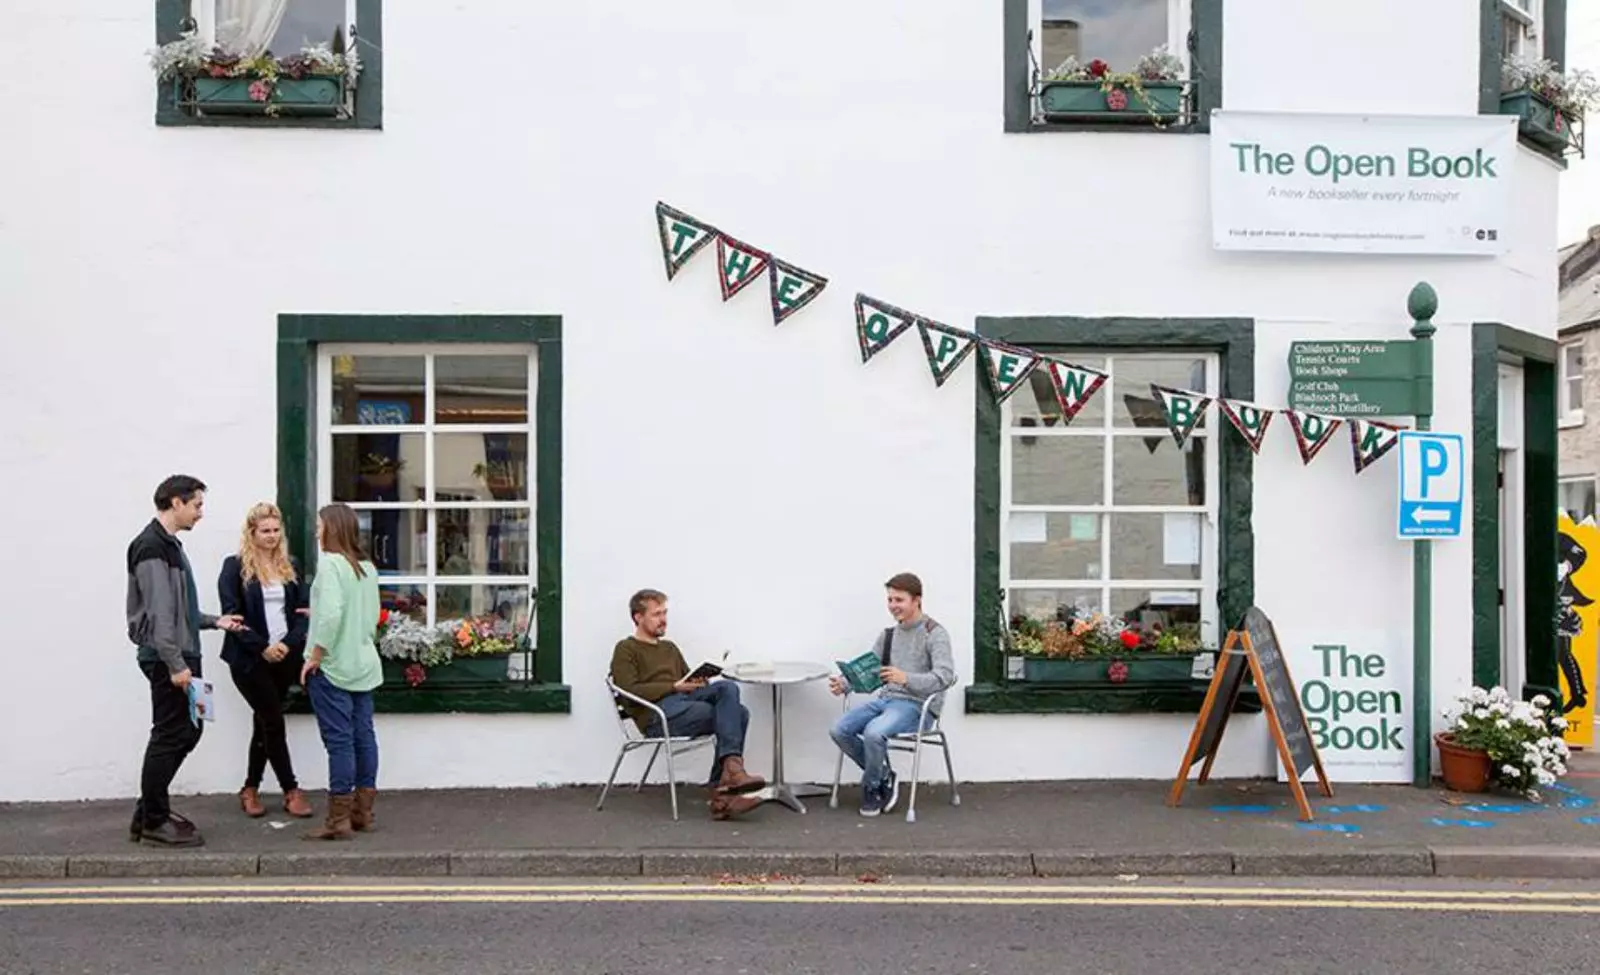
<point x="763" y="477"/>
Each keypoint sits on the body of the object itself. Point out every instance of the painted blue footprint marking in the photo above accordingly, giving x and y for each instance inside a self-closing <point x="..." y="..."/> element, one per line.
<point x="1467" y="823"/>
<point x="1589" y="820"/>
<point x="1500" y="809"/>
<point x="1243" y="809"/>
<point x="1331" y="827"/>
<point x="1336" y="810"/>
<point x="1577" y="802"/>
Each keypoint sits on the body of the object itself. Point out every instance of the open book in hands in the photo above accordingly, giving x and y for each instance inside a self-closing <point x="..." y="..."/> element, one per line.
<point x="861" y="674"/>
<point x="708" y="670"/>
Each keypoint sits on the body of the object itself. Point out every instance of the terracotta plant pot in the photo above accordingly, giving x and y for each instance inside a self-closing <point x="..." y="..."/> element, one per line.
<point x="1464" y="769"/>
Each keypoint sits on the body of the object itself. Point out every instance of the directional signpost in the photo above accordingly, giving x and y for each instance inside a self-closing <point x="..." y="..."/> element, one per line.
<point x="1432" y="480"/>
<point x="1421" y="305"/>
<point x="1354" y="378"/>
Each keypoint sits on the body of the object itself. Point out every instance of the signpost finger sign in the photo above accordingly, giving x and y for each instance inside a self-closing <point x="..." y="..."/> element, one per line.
<point x="1432" y="484"/>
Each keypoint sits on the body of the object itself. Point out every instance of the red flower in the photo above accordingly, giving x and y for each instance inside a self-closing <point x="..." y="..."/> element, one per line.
<point x="1098" y="68"/>
<point x="217" y="71"/>
<point x="383" y="617"/>
<point x="1129" y="639"/>
<point x="1116" y="99"/>
<point x="416" y="674"/>
<point x="1117" y="672"/>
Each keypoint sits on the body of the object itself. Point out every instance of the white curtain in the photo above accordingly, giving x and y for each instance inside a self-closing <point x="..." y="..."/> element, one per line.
<point x="245" y="27"/>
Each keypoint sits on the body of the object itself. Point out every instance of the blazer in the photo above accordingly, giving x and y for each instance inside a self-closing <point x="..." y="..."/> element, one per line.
<point x="242" y="650"/>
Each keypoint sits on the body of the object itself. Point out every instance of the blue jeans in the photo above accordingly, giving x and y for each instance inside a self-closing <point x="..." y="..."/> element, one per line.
<point x="712" y="709"/>
<point x="864" y="731"/>
<point x="345" y="720"/>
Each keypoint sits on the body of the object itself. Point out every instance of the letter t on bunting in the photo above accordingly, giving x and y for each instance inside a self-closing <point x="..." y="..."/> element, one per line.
<point x="1183" y="410"/>
<point x="682" y="237"/>
<point x="1074" y="386"/>
<point x="1008" y="367"/>
<point x="946" y="347"/>
<point x="738" y="264"/>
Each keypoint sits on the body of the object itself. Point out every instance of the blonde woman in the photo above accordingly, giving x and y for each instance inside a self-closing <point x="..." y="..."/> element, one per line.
<point x="342" y="669"/>
<point x="262" y="584"/>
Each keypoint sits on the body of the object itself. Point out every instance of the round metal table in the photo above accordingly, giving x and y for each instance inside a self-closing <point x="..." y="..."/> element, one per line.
<point x="778" y="675"/>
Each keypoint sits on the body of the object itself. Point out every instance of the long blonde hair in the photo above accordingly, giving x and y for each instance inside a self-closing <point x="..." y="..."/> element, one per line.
<point x="275" y="568"/>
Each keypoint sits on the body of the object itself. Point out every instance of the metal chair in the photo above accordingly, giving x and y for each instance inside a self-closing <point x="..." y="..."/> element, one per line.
<point x="633" y="739"/>
<point x="912" y="741"/>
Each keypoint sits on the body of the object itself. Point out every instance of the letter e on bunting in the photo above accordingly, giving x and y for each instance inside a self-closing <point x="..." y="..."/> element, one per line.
<point x="1183" y="410"/>
<point x="878" y="323"/>
<point x="1008" y="367"/>
<point x="792" y="288"/>
<point x="947" y="348"/>
<point x="1073" y="385"/>
<point x="1249" y="419"/>
<point x="1370" y="440"/>
<point x="682" y="237"/>
<point x="738" y="264"/>
<point x="1312" y="431"/>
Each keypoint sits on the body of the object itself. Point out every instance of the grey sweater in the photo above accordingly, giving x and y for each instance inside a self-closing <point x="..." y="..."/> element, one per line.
<point x="922" y="650"/>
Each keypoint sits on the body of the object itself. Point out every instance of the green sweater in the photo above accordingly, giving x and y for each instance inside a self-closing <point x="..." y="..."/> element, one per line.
<point x="344" y="622"/>
<point x="648" y="670"/>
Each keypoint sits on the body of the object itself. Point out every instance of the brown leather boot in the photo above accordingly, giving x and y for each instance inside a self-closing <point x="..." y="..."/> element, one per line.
<point x="361" y="818"/>
<point x="736" y="779"/>
<point x="729" y="806"/>
<point x="296" y="805"/>
<point x="337" y="825"/>
<point x="250" y="802"/>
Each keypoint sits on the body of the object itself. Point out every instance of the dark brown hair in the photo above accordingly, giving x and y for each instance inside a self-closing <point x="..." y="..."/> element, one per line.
<point x="905" y="582"/>
<point x="341" y="535"/>
<point x="643" y="600"/>
<point x="178" y="487"/>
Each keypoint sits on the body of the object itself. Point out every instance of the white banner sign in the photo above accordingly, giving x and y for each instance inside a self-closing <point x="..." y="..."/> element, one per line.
<point x="1364" y="184"/>
<point x="1355" y="688"/>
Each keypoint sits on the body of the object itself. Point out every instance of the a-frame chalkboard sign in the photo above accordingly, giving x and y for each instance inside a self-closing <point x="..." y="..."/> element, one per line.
<point x="1254" y="645"/>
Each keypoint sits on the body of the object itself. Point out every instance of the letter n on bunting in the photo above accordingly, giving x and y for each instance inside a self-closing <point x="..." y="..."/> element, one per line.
<point x="1183" y="410"/>
<point x="878" y="323"/>
<point x="1008" y="367"/>
<point x="682" y="237"/>
<point x="947" y="348"/>
<point x="738" y="264"/>
<point x="1249" y="419"/>
<point x="1073" y="385"/>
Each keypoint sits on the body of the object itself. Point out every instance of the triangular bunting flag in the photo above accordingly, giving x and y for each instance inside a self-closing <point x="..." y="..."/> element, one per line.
<point x="947" y="348"/>
<point x="1249" y="419"/>
<point x="1073" y="385"/>
<point x="682" y="237"/>
<point x="1312" y="431"/>
<point x="738" y="264"/>
<point x="1370" y="440"/>
<point x="878" y="323"/>
<point x="1183" y="410"/>
<point x="1008" y="367"/>
<point x="792" y="288"/>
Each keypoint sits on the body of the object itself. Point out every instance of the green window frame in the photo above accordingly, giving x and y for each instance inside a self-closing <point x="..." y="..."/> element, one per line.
<point x="1232" y="340"/>
<point x="1491" y="40"/>
<point x="299" y="337"/>
<point x="171" y="18"/>
<point x="1205" y="71"/>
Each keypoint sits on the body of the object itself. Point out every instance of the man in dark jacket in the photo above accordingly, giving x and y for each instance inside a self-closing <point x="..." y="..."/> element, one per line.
<point x="164" y="622"/>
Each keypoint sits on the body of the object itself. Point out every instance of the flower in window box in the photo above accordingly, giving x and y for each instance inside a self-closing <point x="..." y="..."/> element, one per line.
<point x="1130" y="639"/>
<point x="1116" y="99"/>
<point x="1550" y="105"/>
<point x="1078" y="92"/>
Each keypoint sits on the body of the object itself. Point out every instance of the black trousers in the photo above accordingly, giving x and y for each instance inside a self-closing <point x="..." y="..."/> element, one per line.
<point x="265" y="687"/>
<point x="172" y="738"/>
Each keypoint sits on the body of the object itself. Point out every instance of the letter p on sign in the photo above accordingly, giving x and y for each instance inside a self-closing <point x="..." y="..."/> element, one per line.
<point x="1432" y="484"/>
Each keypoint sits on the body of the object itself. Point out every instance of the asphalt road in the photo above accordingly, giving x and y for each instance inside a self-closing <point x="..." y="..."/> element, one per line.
<point x="455" y="928"/>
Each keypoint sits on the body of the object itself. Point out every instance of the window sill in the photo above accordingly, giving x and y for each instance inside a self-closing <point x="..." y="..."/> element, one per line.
<point x="499" y="698"/>
<point x="1542" y="129"/>
<point x="1570" y="421"/>
<point x="305" y="106"/>
<point x="1156" y="697"/>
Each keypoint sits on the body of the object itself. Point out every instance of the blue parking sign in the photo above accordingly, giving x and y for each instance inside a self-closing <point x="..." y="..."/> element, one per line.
<point x="1432" y="484"/>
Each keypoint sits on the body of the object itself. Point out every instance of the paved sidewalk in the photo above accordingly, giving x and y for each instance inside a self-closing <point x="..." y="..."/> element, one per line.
<point x="1016" y="829"/>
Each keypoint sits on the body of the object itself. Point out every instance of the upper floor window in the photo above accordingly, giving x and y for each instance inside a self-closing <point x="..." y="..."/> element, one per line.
<point x="1519" y="30"/>
<point x="1571" y="388"/>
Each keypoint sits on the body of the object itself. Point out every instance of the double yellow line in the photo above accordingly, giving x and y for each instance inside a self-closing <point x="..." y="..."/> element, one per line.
<point x="977" y="895"/>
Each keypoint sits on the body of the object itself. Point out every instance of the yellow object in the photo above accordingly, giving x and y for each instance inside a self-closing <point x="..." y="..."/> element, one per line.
<point x="1578" y="553"/>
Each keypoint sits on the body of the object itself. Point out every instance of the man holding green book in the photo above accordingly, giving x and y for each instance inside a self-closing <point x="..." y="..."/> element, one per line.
<point x="915" y="662"/>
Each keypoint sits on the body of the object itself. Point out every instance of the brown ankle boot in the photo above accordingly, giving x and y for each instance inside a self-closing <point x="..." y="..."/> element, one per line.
<point x="729" y="806"/>
<point x="361" y="818"/>
<point x="337" y="825"/>
<point x="295" y="804"/>
<point x="250" y="802"/>
<point x="736" y="779"/>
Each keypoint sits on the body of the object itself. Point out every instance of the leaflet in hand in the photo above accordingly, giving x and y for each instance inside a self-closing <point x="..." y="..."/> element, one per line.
<point x="201" y="702"/>
<point x="862" y="673"/>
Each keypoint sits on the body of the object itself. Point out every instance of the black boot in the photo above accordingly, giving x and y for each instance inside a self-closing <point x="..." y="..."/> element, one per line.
<point x="1578" y="693"/>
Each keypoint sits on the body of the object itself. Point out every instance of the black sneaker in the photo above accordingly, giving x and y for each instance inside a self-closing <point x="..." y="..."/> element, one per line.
<point x="172" y="834"/>
<point x="871" y="801"/>
<point x="891" y="792"/>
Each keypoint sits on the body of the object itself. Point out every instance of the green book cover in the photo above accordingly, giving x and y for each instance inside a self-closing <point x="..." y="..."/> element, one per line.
<point x="861" y="673"/>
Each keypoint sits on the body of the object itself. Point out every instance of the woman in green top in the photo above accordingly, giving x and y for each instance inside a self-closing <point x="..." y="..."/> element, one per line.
<point x="341" y="670"/>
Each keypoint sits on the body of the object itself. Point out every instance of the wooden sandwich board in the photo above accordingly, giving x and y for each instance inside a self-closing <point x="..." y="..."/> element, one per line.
<point x="1254" y="646"/>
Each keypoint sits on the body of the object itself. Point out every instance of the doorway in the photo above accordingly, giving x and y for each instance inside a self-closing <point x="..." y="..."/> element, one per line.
<point x="1510" y="488"/>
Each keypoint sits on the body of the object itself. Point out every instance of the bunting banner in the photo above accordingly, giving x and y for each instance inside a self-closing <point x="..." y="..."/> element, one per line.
<point x="878" y="323"/>
<point x="1312" y="431"/>
<point x="738" y="264"/>
<point x="947" y="348"/>
<point x="792" y="288"/>
<point x="1249" y="419"/>
<point x="1370" y="440"/>
<point x="1183" y="410"/>
<point x="682" y="237"/>
<point x="1074" y="386"/>
<point x="1008" y="367"/>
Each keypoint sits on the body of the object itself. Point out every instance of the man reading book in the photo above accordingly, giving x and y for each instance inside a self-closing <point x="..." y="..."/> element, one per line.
<point x="916" y="664"/>
<point x="651" y="667"/>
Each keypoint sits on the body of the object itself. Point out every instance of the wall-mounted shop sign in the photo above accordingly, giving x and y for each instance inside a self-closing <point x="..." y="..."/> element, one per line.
<point x="1365" y="184"/>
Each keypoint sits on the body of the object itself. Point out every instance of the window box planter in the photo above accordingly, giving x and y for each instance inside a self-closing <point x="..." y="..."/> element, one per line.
<point x="1142" y="667"/>
<point x="1086" y="101"/>
<point x="316" y="95"/>
<point x="492" y="669"/>
<point x="1542" y="123"/>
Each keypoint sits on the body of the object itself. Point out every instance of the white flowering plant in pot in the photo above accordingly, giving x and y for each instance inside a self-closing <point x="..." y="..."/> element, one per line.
<point x="1522" y="738"/>
<point x="1574" y="92"/>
